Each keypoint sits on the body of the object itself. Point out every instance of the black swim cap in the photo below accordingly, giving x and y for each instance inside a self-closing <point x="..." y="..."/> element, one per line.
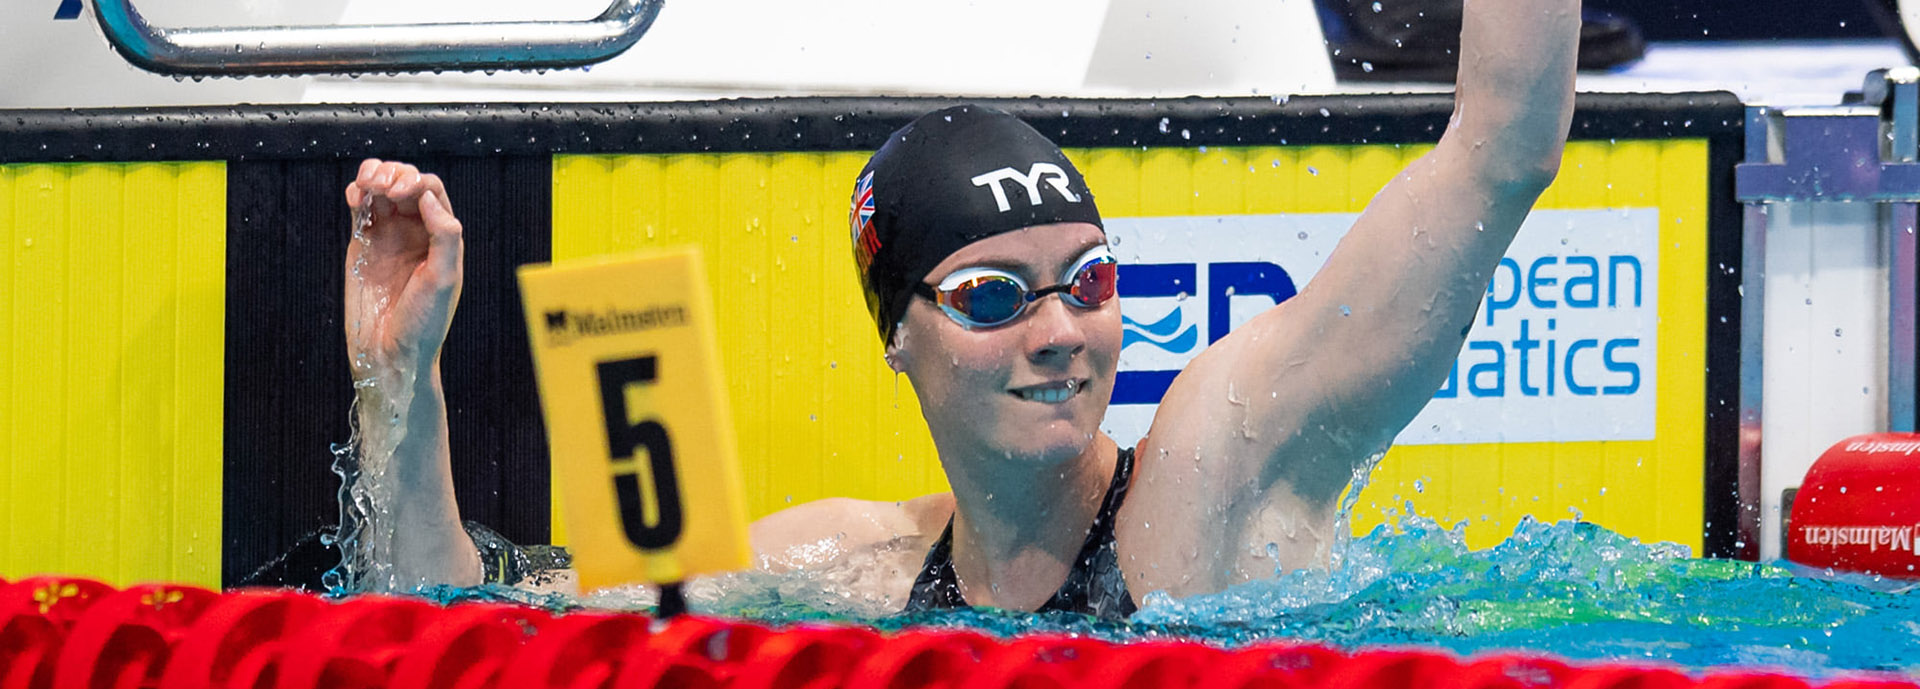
<point x="946" y="180"/>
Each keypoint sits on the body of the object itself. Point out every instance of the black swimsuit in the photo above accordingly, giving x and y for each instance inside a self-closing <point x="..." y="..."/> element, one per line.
<point x="1095" y="585"/>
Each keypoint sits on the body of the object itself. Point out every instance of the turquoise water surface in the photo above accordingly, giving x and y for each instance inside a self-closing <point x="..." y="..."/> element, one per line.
<point x="1570" y="588"/>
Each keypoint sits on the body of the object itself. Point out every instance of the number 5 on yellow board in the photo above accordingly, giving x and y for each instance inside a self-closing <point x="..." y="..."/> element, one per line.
<point x="637" y="417"/>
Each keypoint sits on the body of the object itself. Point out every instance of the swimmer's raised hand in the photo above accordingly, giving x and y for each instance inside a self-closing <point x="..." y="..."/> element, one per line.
<point x="403" y="280"/>
<point x="403" y="268"/>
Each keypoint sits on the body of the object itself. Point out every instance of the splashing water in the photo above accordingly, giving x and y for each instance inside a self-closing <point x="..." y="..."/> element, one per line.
<point x="344" y="577"/>
<point x="1570" y="588"/>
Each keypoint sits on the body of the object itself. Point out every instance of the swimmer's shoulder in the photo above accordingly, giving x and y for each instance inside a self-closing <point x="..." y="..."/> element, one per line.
<point x="816" y="532"/>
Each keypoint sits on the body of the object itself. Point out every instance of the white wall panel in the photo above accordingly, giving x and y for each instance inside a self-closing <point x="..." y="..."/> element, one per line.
<point x="1826" y="324"/>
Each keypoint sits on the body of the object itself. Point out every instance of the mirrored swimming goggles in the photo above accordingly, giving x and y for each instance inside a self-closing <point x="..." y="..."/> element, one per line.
<point x="982" y="297"/>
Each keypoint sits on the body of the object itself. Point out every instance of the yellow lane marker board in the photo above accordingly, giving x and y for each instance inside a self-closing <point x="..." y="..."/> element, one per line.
<point x="637" y="417"/>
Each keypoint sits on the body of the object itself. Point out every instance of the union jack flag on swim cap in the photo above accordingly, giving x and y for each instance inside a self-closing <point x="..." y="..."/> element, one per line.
<point x="865" y="242"/>
<point x="948" y="179"/>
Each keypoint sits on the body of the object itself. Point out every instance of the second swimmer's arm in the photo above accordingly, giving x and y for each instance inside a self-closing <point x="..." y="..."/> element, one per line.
<point x="404" y="273"/>
<point x="430" y="546"/>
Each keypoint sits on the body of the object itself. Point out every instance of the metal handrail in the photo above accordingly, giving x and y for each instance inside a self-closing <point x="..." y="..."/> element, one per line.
<point x="292" y="50"/>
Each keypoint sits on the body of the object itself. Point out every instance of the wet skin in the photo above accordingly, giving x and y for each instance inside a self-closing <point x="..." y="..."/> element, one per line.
<point x="1258" y="435"/>
<point x="991" y="389"/>
<point x="1252" y="442"/>
<point x="1020" y="467"/>
<point x="1023" y="469"/>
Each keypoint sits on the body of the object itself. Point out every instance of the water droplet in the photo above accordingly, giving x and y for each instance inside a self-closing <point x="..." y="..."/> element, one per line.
<point x="1163" y="125"/>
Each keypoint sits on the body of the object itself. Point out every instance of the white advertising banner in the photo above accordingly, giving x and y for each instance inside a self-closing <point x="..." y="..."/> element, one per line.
<point x="1563" y="348"/>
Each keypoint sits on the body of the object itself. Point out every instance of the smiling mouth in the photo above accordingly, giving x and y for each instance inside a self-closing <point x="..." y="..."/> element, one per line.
<point x="1051" y="393"/>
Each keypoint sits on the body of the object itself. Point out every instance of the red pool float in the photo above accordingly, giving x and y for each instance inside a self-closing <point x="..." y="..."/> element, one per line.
<point x="235" y="641"/>
<point x="1037" y="662"/>
<point x="1859" y="507"/>
<point x="1514" y="671"/>
<point x="124" y="639"/>
<point x="581" y="650"/>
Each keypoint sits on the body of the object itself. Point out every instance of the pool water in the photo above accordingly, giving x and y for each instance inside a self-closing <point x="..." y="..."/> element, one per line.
<point x="1570" y="588"/>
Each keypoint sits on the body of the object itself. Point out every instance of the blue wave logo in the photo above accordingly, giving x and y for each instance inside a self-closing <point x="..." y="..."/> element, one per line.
<point x="1160" y="333"/>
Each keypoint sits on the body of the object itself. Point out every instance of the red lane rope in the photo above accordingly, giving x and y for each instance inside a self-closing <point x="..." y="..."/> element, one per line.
<point x="58" y="632"/>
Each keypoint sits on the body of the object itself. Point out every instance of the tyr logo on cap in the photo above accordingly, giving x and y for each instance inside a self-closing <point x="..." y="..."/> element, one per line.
<point x="1048" y="172"/>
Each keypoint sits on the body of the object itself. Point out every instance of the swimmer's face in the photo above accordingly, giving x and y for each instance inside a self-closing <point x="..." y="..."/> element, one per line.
<point x="1033" y="389"/>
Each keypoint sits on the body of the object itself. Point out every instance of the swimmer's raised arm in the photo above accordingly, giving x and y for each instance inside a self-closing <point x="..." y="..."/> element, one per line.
<point x="1274" y="418"/>
<point x="403" y="280"/>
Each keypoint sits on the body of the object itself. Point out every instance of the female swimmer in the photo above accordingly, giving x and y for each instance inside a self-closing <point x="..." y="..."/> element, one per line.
<point x="984" y="262"/>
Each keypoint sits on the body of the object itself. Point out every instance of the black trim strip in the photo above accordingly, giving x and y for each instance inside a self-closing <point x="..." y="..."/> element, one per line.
<point x="813" y="124"/>
<point x="1722" y="513"/>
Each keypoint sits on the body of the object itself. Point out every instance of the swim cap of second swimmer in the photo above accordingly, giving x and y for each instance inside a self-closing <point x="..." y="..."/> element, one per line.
<point x="946" y="180"/>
